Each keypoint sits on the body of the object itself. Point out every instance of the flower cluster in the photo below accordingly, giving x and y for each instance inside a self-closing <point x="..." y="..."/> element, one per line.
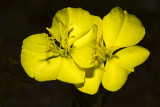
<point x="85" y="50"/>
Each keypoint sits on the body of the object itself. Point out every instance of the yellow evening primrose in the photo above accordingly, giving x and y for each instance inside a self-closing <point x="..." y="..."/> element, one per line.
<point x="121" y="31"/>
<point x="64" y="54"/>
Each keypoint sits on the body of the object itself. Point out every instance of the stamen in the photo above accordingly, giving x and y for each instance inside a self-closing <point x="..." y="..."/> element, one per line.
<point x="50" y="32"/>
<point x="62" y="46"/>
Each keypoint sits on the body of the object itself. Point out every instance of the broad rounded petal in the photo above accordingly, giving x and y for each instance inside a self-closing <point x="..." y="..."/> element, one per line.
<point x="37" y="66"/>
<point x="70" y="72"/>
<point x="84" y="56"/>
<point x="59" y="24"/>
<point x="48" y="69"/>
<point x="114" y="76"/>
<point x="93" y="79"/>
<point x="37" y="61"/>
<point x="121" y="64"/>
<point x="36" y="43"/>
<point x="83" y="50"/>
<point x="121" y="29"/>
<point x="131" y="57"/>
<point x="70" y="24"/>
<point x="30" y="61"/>
<point x="89" y="37"/>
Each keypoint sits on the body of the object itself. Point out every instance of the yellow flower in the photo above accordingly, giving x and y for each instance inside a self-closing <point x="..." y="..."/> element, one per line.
<point x="121" y="32"/>
<point x="62" y="55"/>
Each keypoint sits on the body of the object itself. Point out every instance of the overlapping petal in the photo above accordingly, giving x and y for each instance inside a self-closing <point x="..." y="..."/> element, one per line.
<point x="71" y="24"/>
<point x="93" y="79"/>
<point x="84" y="56"/>
<point x="121" y="29"/>
<point x="42" y="64"/>
<point x="34" y="58"/>
<point x="121" y="64"/>
<point x="70" y="72"/>
<point x="83" y="50"/>
<point x="114" y="76"/>
<point x="131" y="57"/>
<point x="36" y="43"/>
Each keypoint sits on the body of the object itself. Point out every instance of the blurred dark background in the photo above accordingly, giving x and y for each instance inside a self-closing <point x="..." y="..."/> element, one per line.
<point x="21" y="18"/>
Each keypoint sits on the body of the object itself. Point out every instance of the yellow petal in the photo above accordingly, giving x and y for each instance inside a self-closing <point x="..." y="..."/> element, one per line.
<point x="70" y="24"/>
<point x="89" y="37"/>
<point x="83" y="50"/>
<point x="93" y="79"/>
<point x="121" y="64"/>
<point x="49" y="69"/>
<point x="30" y="61"/>
<point x="36" y="43"/>
<point x="70" y="72"/>
<point x="121" y="29"/>
<point x="59" y="24"/>
<point x="37" y="60"/>
<point x="84" y="56"/>
<point x="131" y="57"/>
<point x="38" y="67"/>
<point x="114" y="76"/>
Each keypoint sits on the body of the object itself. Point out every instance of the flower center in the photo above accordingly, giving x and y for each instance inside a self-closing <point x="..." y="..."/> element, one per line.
<point x="56" y="48"/>
<point x="59" y="48"/>
<point x="103" y="53"/>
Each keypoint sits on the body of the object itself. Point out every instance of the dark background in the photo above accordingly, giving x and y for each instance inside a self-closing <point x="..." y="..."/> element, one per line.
<point x="21" y="18"/>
